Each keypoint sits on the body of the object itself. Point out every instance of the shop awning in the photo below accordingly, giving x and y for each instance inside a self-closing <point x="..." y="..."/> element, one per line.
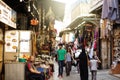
<point x="80" y="21"/>
<point x="96" y="7"/>
<point x="65" y="31"/>
<point x="75" y="23"/>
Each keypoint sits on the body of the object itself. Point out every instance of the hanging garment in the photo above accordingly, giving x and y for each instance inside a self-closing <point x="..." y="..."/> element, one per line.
<point x="96" y="34"/>
<point x="103" y="28"/>
<point x="91" y="51"/>
<point x="110" y="10"/>
<point x="95" y="45"/>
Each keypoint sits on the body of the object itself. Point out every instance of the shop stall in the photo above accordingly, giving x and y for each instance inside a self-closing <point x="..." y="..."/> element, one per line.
<point x="7" y="21"/>
<point x="18" y="48"/>
<point x="44" y="63"/>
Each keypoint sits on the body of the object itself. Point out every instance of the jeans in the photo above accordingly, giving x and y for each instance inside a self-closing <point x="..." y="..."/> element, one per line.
<point x="94" y="73"/>
<point x="37" y="76"/>
<point x="60" y="70"/>
<point x="68" y="68"/>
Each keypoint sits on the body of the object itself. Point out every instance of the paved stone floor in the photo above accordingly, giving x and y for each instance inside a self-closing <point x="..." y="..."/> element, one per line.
<point x="101" y="75"/>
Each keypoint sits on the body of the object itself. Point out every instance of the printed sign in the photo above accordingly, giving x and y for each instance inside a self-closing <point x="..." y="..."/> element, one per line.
<point x="7" y="15"/>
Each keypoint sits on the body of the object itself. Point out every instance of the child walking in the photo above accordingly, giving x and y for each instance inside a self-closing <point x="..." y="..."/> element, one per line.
<point x="93" y="66"/>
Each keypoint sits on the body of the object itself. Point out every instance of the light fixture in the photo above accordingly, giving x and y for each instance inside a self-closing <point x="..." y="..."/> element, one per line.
<point x="21" y="0"/>
<point x="29" y="8"/>
<point x="25" y="1"/>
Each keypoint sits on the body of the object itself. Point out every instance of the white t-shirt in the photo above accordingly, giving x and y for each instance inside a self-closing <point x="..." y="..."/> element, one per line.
<point x="93" y="64"/>
<point x="77" y="53"/>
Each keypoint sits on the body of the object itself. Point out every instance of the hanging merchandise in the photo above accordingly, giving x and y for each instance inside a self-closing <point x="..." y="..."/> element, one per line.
<point x="76" y="33"/>
<point x="76" y="43"/>
<point x="96" y="33"/>
<point x="72" y="37"/>
<point x="117" y="44"/>
<point x="80" y="38"/>
<point x="95" y="45"/>
<point x="91" y="51"/>
<point x="110" y="14"/>
<point x="34" y="22"/>
<point x="103" y="28"/>
<point x="106" y="26"/>
<point x="110" y="10"/>
<point x="80" y="41"/>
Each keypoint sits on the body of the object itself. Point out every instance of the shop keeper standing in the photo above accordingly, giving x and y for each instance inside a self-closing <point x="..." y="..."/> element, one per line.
<point x="61" y="58"/>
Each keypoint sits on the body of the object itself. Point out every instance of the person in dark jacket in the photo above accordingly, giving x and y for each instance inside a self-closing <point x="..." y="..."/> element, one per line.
<point x="83" y="65"/>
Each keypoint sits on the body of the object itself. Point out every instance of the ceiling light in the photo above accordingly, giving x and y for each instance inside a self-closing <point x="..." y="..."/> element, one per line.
<point x="21" y="0"/>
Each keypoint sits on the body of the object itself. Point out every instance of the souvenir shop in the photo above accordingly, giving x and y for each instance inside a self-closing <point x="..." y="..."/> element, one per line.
<point x="111" y="31"/>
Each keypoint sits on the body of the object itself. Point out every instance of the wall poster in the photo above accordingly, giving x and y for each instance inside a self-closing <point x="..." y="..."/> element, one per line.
<point x="25" y="40"/>
<point x="11" y="41"/>
<point x="18" y="41"/>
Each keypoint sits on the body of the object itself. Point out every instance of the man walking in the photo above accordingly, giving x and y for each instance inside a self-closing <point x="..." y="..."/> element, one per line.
<point x="61" y="58"/>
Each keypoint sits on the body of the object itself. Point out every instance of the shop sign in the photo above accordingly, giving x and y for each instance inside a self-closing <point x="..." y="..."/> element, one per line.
<point x="7" y="15"/>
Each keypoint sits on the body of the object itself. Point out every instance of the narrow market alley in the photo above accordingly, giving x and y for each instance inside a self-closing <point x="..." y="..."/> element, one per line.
<point x="101" y="75"/>
<point x="84" y="32"/>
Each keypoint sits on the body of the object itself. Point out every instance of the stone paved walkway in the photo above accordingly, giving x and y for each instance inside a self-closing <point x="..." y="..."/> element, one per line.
<point x="101" y="75"/>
